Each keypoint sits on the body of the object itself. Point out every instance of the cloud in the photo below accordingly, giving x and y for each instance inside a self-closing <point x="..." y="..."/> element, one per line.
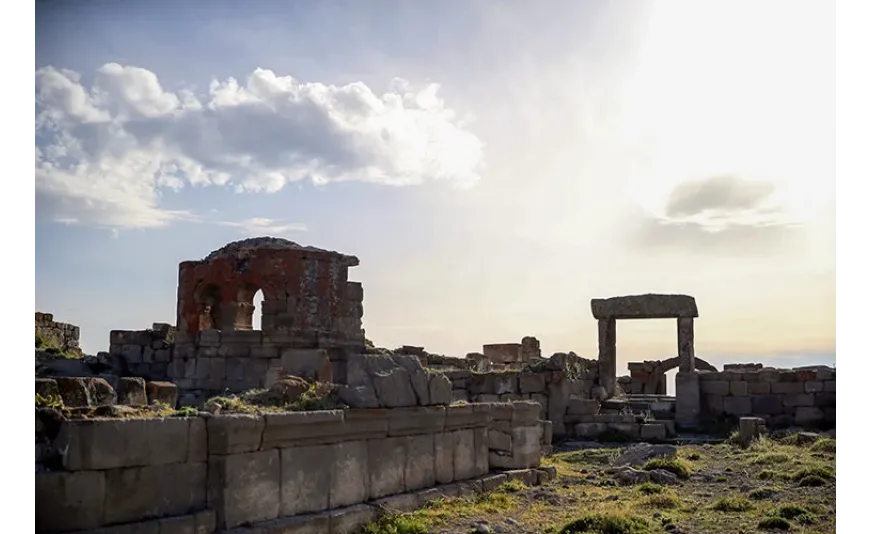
<point x="105" y="153"/>
<point x="258" y="226"/>
<point x="719" y="214"/>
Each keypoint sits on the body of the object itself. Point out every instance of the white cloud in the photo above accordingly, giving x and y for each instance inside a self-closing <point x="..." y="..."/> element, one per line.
<point x="259" y="226"/>
<point x="106" y="152"/>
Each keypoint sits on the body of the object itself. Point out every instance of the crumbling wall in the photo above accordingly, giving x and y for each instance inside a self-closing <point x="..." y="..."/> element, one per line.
<point x="783" y="397"/>
<point x="329" y="471"/>
<point x="63" y="336"/>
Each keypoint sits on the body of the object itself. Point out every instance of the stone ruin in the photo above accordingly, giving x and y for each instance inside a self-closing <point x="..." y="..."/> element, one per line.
<point x="413" y="426"/>
<point x="60" y="336"/>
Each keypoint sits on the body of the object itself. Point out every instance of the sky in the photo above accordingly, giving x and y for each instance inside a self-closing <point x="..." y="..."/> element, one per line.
<point x="494" y="165"/>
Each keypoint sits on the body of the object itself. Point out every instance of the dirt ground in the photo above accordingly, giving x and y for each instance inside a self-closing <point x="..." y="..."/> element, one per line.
<point x="786" y="485"/>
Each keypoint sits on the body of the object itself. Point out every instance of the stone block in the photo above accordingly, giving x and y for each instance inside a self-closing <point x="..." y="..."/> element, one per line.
<point x="758" y="388"/>
<point x="69" y="500"/>
<point x="713" y="404"/>
<point x="653" y="431"/>
<point x="583" y="406"/>
<point x="461" y="395"/>
<point x="234" y="350"/>
<point x="526" y="442"/>
<point x="199" y="523"/>
<point x="244" y="488"/>
<point x="444" y="445"/>
<point x="305" y="482"/>
<point x="798" y="399"/>
<point x="112" y="443"/>
<point x="47" y="387"/>
<point x="492" y="482"/>
<point x="163" y="355"/>
<point x="349" y="478"/>
<point x="739" y="388"/>
<point x="826" y="400"/>
<point x="464" y="454"/>
<point x="499" y="441"/>
<point x="631" y="430"/>
<point x="304" y="428"/>
<point x="81" y="392"/>
<point x="767" y="404"/>
<point x="235" y="433"/>
<point x="532" y="382"/>
<point x="394" y="389"/>
<point x="737" y="405"/>
<point x="786" y="387"/>
<point x="481" y="451"/>
<point x="163" y="392"/>
<point x="440" y="390"/>
<point x="750" y="429"/>
<point x="386" y="462"/>
<point x="830" y="386"/>
<point x="197" y="440"/>
<point x="131" y="353"/>
<point x="208" y="338"/>
<point x="418" y="420"/>
<point x="548" y="432"/>
<point x="715" y="387"/>
<point x="308" y="363"/>
<point x="808" y="416"/>
<point x="462" y="416"/>
<point x="420" y="462"/>
<point x="814" y="386"/>
<point x="398" y="504"/>
<point x="150" y="492"/>
<point x="525" y="413"/>
<point x="131" y="391"/>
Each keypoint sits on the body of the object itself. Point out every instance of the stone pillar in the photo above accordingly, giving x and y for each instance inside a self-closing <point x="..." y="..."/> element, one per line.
<point x="607" y="354"/>
<point x="686" y="344"/>
<point x="751" y="428"/>
<point x="688" y="409"/>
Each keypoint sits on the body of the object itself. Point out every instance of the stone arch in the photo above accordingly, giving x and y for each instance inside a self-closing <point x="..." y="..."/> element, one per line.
<point x="245" y="306"/>
<point x="673" y="363"/>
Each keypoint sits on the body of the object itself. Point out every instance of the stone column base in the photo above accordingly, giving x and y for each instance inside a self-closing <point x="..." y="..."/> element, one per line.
<point x="688" y="409"/>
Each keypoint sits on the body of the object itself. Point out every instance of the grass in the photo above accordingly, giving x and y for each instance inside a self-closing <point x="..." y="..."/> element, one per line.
<point x="606" y="524"/>
<point x="650" y="488"/>
<point x="318" y="396"/>
<point x="826" y="445"/>
<point x="396" y="524"/>
<point x="771" y="458"/>
<point x="732" y="504"/>
<point x="766" y="492"/>
<point x="796" y="513"/>
<point x="662" y="502"/>
<point x="673" y="465"/>
<point x="49" y="401"/>
<point x="774" y="523"/>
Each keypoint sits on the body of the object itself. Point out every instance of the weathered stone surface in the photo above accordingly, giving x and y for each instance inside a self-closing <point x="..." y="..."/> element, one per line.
<point x="305" y="482"/>
<point x="419" y="377"/>
<point x="715" y="387"/>
<point x="737" y="405"/>
<point x="481" y="451"/>
<point x="77" y="392"/>
<point x="643" y="452"/>
<point x="798" y="399"/>
<point x="235" y="433"/>
<point x="532" y="383"/>
<point x="417" y="420"/>
<point x="627" y="476"/>
<point x="463" y="454"/>
<point x="386" y="461"/>
<point x="349" y="474"/>
<point x="349" y="520"/>
<point x="526" y="443"/>
<point x="420" y="462"/>
<point x="313" y="364"/>
<point x="688" y="404"/>
<point x="199" y="523"/>
<point x="653" y="431"/>
<point x="758" y="388"/>
<point x="499" y="441"/>
<point x="739" y="388"/>
<point x="808" y="416"/>
<point x="47" y="387"/>
<point x="112" y="443"/>
<point x="589" y="430"/>
<point x="787" y="387"/>
<point x="394" y="389"/>
<point x="444" y="457"/>
<point x="289" y="389"/>
<point x="69" y="500"/>
<point x="131" y="391"/>
<point x="440" y="391"/>
<point x="163" y="392"/>
<point x="750" y="429"/>
<point x="583" y="406"/>
<point x="362" y="396"/>
<point x="245" y="488"/>
<point x="649" y="306"/>
<point x="137" y="493"/>
<point x="767" y="404"/>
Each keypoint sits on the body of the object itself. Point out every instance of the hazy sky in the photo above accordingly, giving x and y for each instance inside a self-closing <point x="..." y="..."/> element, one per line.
<point x="494" y="165"/>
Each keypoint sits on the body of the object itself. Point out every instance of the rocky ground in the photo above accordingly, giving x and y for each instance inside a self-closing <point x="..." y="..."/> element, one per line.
<point x="776" y="485"/>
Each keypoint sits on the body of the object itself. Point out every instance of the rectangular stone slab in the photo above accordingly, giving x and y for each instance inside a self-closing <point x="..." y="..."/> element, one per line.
<point x="649" y="306"/>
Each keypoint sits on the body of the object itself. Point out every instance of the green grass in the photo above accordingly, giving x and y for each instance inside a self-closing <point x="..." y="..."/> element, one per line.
<point x="796" y="513"/>
<point x="673" y="465"/>
<point x="811" y="472"/>
<point x="512" y="486"/>
<point x="662" y="502"/>
<point x="760" y="494"/>
<point x="606" y="524"/>
<point x="397" y="524"/>
<point x="825" y="445"/>
<point x="732" y="504"/>
<point x="186" y="411"/>
<point x="650" y="488"/>
<point x="771" y="458"/>
<point x="811" y="481"/>
<point x="50" y="401"/>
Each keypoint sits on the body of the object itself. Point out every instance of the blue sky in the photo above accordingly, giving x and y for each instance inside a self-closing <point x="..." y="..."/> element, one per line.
<point x="572" y="150"/>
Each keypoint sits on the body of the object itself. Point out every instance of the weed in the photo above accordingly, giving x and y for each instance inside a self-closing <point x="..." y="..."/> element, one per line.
<point x="186" y="411"/>
<point x="796" y="513"/>
<point x="650" y="488"/>
<point x="663" y="501"/>
<point x="693" y="456"/>
<point x="811" y="481"/>
<point x="732" y="504"/>
<point x="825" y="445"/>
<point x="512" y="486"/>
<point x="770" y="458"/>
<point x="766" y="474"/>
<point x="606" y="524"/>
<point x="720" y="479"/>
<point x="673" y="465"/>
<point x="396" y="524"/>
<point x="774" y="523"/>
<point x="50" y="401"/>
<point x="811" y="472"/>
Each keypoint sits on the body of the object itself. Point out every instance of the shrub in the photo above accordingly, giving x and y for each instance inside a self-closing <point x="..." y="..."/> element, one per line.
<point x="811" y="472"/>
<point x="606" y="524"/>
<point x="774" y="523"/>
<point x="674" y="465"/>
<point x="650" y="488"/>
<point x="732" y="504"/>
<point x="759" y="494"/>
<point x="663" y="501"/>
<point x="797" y="513"/>
<point x="396" y="524"/>
<point x="186" y="411"/>
<point x="811" y="481"/>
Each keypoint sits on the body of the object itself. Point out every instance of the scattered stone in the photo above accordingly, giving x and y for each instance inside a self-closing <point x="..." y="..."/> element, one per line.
<point x="289" y="389"/>
<point x="163" y="392"/>
<point x="660" y="476"/>
<point x="643" y="452"/>
<point x="628" y="476"/>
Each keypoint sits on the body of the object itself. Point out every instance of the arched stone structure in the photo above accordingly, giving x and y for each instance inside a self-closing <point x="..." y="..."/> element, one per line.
<point x="648" y="377"/>
<point x="652" y="306"/>
<point x="306" y="295"/>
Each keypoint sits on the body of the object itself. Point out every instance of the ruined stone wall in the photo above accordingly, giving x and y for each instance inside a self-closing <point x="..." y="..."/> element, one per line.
<point x="327" y="471"/>
<point x="803" y="397"/>
<point x="60" y="335"/>
<point x="503" y="352"/>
